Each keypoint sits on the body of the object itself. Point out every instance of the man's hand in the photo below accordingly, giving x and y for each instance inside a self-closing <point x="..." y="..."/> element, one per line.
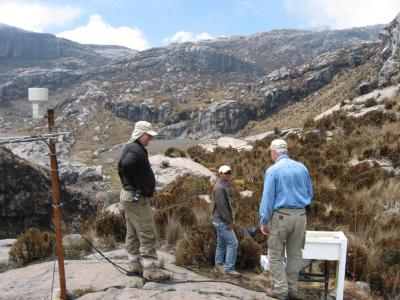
<point x="229" y="226"/>
<point x="264" y="230"/>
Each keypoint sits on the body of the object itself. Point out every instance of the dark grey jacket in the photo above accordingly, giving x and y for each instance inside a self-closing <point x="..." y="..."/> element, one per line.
<point x="222" y="209"/>
<point x="134" y="170"/>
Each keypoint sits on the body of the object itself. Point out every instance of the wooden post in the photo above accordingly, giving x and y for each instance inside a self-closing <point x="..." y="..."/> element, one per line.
<point x="56" y="205"/>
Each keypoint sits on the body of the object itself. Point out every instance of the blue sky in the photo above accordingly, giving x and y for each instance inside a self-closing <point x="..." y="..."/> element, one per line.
<point x="152" y="23"/>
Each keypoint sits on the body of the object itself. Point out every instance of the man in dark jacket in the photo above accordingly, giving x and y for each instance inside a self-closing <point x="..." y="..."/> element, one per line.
<point x="222" y="218"/>
<point x="138" y="183"/>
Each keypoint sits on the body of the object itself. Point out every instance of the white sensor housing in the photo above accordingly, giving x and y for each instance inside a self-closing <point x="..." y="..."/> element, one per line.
<point x="39" y="97"/>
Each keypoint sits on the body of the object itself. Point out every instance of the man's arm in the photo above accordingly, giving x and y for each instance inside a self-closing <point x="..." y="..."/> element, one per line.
<point x="128" y="164"/>
<point x="221" y="206"/>
<point x="309" y="185"/>
<point x="130" y="160"/>
<point x="268" y="199"/>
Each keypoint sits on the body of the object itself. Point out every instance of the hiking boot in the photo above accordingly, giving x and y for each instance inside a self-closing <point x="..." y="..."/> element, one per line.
<point x="154" y="273"/>
<point x="272" y="293"/>
<point x="135" y="267"/>
<point x="233" y="273"/>
<point x="219" y="268"/>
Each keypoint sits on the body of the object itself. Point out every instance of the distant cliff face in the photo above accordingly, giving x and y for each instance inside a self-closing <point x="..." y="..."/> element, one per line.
<point x="25" y="197"/>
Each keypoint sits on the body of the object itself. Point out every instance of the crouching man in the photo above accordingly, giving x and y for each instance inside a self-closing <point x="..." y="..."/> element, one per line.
<point x="222" y="218"/>
<point x="138" y="183"/>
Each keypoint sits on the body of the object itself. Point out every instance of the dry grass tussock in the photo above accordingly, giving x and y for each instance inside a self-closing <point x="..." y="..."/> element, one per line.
<point x="32" y="245"/>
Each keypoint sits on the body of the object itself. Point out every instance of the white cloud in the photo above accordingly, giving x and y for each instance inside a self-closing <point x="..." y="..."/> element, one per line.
<point x="35" y="16"/>
<point x="341" y="14"/>
<point x="184" y="36"/>
<point x="99" y="32"/>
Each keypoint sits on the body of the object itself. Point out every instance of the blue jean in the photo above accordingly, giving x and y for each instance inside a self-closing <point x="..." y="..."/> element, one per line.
<point x="227" y="245"/>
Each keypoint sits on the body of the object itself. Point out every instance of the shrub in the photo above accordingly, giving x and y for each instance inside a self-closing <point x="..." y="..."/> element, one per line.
<point x="32" y="245"/>
<point x="309" y="123"/>
<point x="173" y="231"/>
<point x="160" y="221"/>
<point x="249" y="253"/>
<point x="384" y="150"/>
<point x="394" y="156"/>
<point x="370" y="102"/>
<point x="374" y="118"/>
<point x="368" y="153"/>
<point x="200" y="155"/>
<point x="389" y="104"/>
<point x="259" y="238"/>
<point x="198" y="247"/>
<point x="363" y="175"/>
<point x="182" y="214"/>
<point x="109" y="224"/>
<point x="333" y="170"/>
<point x="348" y="126"/>
<point x="77" y="249"/>
<point x="174" y="152"/>
<point x="196" y="185"/>
<point x="165" y="164"/>
<point x="356" y="262"/>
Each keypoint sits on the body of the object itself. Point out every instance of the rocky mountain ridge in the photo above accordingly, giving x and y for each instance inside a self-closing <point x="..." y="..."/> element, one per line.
<point x="185" y="75"/>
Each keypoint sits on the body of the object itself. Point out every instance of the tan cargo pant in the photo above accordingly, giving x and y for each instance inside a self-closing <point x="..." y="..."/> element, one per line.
<point x="141" y="238"/>
<point x="287" y="227"/>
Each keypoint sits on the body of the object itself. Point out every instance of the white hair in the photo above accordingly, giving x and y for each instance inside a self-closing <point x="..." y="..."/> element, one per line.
<point x="281" y="151"/>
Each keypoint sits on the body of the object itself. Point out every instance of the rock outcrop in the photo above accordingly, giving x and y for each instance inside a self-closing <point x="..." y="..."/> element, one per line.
<point x="224" y="117"/>
<point x="390" y="52"/>
<point x="274" y="91"/>
<point x="70" y="171"/>
<point x="198" y="89"/>
<point x="167" y="169"/>
<point x="25" y="197"/>
<point x="35" y="282"/>
<point x="142" y="111"/>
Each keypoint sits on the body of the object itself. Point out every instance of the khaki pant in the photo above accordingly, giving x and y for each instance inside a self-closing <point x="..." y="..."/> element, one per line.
<point x="287" y="227"/>
<point x="141" y="239"/>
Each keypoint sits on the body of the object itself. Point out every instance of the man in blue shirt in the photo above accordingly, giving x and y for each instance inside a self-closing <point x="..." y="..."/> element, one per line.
<point x="287" y="191"/>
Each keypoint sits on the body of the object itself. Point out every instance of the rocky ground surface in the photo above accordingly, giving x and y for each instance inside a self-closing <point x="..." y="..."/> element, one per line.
<point x="100" y="280"/>
<point x="94" y="278"/>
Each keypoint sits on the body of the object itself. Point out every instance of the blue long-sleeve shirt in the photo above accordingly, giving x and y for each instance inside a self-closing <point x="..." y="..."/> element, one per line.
<point x="287" y="184"/>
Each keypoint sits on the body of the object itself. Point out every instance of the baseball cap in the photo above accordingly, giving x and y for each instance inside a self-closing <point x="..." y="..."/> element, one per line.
<point x="224" y="169"/>
<point x="278" y="144"/>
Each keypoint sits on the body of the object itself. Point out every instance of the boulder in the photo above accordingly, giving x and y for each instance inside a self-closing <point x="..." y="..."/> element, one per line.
<point x="246" y="194"/>
<point x="167" y="169"/>
<point x="366" y="87"/>
<point x="71" y="239"/>
<point x="5" y="246"/>
<point x="258" y="137"/>
<point x="114" y="208"/>
<point x="227" y="142"/>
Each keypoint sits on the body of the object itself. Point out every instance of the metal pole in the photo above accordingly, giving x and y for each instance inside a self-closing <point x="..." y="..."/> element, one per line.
<point x="56" y="205"/>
